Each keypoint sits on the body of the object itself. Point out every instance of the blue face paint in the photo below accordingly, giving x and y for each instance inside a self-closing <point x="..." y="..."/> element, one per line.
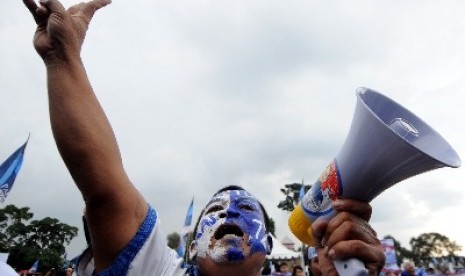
<point x="239" y="210"/>
<point x="250" y="219"/>
<point x="235" y="255"/>
<point x="208" y="222"/>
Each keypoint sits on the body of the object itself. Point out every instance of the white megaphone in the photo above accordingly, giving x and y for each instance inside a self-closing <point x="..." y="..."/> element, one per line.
<point x="385" y="145"/>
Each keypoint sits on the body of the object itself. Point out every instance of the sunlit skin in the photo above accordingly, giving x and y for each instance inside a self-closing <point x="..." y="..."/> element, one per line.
<point x="231" y="233"/>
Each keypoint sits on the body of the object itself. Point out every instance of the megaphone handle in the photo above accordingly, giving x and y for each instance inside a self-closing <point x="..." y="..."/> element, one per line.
<point x="350" y="267"/>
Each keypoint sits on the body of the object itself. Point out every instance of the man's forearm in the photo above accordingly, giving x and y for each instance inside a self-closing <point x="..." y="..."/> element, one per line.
<point x="89" y="149"/>
<point x="82" y="132"/>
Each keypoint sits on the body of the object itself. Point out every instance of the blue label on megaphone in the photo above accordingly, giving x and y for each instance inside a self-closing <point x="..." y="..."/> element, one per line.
<point x="328" y="187"/>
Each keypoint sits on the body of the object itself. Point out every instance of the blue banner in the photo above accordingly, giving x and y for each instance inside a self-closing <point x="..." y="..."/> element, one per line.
<point x="9" y="170"/>
<point x="190" y="210"/>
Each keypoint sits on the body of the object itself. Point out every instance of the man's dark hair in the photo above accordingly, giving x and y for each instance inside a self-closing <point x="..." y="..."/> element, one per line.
<point x="294" y="270"/>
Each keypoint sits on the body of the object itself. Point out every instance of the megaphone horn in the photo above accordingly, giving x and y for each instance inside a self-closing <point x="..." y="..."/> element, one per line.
<point x="386" y="144"/>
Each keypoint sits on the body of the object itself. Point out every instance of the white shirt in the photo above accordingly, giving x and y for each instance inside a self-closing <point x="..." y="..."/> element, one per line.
<point x="6" y="270"/>
<point x="147" y="254"/>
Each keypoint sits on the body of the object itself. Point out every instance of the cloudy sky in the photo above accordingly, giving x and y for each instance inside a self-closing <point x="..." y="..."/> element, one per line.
<point x="202" y="94"/>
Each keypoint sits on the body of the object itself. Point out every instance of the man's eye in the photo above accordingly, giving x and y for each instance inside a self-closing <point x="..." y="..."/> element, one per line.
<point x="214" y="209"/>
<point x="247" y="207"/>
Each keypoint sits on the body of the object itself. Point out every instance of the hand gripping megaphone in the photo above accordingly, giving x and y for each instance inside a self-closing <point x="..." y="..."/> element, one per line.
<point x="385" y="145"/>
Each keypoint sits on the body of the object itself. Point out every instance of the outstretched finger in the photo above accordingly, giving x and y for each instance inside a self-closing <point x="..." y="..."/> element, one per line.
<point x="32" y="7"/>
<point x="91" y="7"/>
<point x="100" y="3"/>
<point x="86" y="10"/>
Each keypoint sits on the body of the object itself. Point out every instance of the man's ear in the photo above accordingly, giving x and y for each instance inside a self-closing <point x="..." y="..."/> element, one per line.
<point x="269" y="244"/>
<point x="193" y="250"/>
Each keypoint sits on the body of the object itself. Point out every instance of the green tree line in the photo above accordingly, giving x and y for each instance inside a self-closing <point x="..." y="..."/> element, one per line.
<point x="425" y="247"/>
<point x="28" y="240"/>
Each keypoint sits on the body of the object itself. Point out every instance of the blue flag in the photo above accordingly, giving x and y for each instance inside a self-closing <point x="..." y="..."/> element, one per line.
<point x="186" y="230"/>
<point x="9" y="170"/>
<point x="35" y="267"/>
<point x="190" y="210"/>
<point x="302" y="191"/>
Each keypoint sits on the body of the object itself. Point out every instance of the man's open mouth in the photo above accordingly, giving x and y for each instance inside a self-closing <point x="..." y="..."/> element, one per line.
<point x="228" y="229"/>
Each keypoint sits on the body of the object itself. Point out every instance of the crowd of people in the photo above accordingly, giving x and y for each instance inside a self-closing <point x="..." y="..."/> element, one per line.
<point x="285" y="270"/>
<point x="410" y="269"/>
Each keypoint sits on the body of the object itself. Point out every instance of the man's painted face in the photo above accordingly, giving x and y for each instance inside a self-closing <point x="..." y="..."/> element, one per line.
<point x="231" y="228"/>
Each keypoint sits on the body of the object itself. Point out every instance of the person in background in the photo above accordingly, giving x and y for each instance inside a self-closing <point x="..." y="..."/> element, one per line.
<point x="410" y="270"/>
<point x="298" y="271"/>
<point x="283" y="270"/>
<point x="231" y="235"/>
<point x="430" y="271"/>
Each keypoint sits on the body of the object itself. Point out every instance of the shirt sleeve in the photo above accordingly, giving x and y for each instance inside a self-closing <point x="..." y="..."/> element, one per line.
<point x="6" y="270"/>
<point x="146" y="254"/>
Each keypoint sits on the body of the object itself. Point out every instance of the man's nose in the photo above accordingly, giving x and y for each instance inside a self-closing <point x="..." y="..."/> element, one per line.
<point x="230" y="213"/>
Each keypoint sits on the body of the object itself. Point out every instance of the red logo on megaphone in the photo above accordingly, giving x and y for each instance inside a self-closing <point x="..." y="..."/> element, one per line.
<point x="328" y="187"/>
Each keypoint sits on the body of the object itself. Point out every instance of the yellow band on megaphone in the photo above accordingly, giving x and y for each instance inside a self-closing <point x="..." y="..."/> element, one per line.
<point x="300" y="225"/>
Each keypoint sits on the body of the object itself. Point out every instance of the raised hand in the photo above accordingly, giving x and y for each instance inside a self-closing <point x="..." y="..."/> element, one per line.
<point x="60" y="32"/>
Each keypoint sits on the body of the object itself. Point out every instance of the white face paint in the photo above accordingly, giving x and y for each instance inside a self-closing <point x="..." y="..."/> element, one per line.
<point x="231" y="228"/>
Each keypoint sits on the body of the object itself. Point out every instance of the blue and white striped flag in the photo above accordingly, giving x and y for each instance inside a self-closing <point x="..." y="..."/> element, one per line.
<point x="9" y="170"/>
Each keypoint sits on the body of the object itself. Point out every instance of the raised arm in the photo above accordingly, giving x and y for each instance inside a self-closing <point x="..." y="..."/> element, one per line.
<point x="84" y="137"/>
